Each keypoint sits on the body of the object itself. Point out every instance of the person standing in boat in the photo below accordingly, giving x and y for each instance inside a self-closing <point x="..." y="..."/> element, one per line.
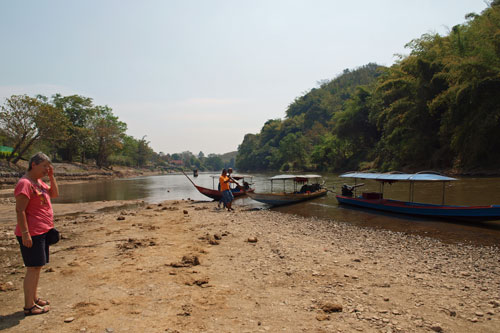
<point x="35" y="218"/>
<point x="227" y="195"/>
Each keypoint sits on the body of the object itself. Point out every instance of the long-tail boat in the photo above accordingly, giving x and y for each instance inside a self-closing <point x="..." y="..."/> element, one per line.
<point x="215" y="194"/>
<point x="306" y="192"/>
<point x="376" y="200"/>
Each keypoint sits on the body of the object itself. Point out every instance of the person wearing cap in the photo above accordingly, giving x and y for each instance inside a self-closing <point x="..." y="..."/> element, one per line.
<point x="229" y="172"/>
<point x="227" y="195"/>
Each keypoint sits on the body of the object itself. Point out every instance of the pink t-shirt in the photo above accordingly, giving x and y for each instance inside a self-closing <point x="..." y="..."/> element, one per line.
<point x="39" y="213"/>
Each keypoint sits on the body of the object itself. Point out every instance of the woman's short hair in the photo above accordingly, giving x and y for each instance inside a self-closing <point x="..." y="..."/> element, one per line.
<point x="38" y="158"/>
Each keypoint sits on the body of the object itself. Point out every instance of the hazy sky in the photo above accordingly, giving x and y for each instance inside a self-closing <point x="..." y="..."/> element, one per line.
<point x="198" y="75"/>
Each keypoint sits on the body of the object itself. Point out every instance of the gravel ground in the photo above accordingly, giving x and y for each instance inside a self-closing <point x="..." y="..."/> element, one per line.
<point x="184" y="266"/>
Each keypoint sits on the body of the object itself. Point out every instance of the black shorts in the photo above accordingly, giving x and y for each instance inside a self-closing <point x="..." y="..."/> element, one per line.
<point x="37" y="254"/>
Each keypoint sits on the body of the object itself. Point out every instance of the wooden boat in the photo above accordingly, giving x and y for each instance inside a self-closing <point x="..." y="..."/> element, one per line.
<point x="375" y="200"/>
<point x="306" y="192"/>
<point x="216" y="194"/>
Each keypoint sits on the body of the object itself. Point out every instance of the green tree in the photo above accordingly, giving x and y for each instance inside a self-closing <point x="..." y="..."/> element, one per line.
<point x="332" y="153"/>
<point x="26" y="120"/>
<point x="245" y="160"/>
<point x="214" y="162"/>
<point x="80" y="113"/>
<point x="144" y="152"/>
<point x="108" y="132"/>
<point x="293" y="149"/>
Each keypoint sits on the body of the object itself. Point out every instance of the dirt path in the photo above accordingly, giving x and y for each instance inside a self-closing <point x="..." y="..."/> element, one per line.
<point x="187" y="267"/>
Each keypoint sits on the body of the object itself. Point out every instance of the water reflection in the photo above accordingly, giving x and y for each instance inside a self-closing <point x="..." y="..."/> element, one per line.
<point x="466" y="191"/>
<point x="151" y="189"/>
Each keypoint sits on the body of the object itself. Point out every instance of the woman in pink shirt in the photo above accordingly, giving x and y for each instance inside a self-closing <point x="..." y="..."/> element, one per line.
<point x="35" y="218"/>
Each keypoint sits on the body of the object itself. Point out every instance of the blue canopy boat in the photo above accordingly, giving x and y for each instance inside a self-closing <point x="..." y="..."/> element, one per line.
<point x="375" y="200"/>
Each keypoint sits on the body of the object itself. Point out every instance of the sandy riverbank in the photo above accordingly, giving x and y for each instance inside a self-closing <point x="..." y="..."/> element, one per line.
<point x="187" y="267"/>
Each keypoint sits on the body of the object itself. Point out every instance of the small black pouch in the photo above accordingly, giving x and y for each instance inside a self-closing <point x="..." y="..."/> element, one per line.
<point x="52" y="236"/>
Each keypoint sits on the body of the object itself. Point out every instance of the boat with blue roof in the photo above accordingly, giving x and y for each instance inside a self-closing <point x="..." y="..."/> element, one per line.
<point x="376" y="200"/>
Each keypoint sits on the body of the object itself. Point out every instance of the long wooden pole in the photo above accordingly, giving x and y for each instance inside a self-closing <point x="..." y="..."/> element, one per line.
<point x="188" y="178"/>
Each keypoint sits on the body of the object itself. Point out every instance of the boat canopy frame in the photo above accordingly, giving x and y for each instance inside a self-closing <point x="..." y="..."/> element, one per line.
<point x="235" y="177"/>
<point x="297" y="179"/>
<point x="412" y="178"/>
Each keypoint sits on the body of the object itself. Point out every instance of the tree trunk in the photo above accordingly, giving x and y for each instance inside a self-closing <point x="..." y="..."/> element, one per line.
<point x="26" y="148"/>
<point x="16" y="149"/>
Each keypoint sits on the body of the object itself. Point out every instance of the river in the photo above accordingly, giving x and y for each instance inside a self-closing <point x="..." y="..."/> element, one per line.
<point x="465" y="191"/>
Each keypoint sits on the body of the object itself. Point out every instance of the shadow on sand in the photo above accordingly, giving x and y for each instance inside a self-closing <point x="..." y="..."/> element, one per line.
<point x="11" y="320"/>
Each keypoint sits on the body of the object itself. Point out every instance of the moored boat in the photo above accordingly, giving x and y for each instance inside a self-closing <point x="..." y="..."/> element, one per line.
<point x="307" y="191"/>
<point x="215" y="194"/>
<point x="376" y="200"/>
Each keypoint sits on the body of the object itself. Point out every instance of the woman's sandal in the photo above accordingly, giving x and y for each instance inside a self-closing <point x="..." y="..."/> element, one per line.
<point x="30" y="312"/>
<point x="41" y="302"/>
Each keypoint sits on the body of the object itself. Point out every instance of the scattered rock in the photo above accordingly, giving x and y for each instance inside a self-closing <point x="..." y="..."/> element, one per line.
<point x="187" y="261"/>
<point x="7" y="286"/>
<point x="436" y="328"/>
<point x="495" y="303"/>
<point x="120" y="218"/>
<point x="331" y="307"/>
<point x="322" y="317"/>
<point x="185" y="212"/>
<point x="252" y="239"/>
<point x="186" y="311"/>
<point x="69" y="319"/>
<point x="132" y="243"/>
<point x="212" y="241"/>
<point x="198" y="282"/>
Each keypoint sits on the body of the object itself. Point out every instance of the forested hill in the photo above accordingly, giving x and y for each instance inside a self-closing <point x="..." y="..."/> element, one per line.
<point x="437" y="108"/>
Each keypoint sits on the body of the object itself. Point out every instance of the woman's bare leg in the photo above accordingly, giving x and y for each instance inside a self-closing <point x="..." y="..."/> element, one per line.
<point x="31" y="285"/>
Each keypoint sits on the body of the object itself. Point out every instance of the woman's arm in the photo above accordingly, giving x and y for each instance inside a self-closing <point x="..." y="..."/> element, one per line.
<point x="54" y="189"/>
<point x="21" y="204"/>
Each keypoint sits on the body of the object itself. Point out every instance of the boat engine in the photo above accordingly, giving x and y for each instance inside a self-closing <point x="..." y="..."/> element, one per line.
<point x="347" y="190"/>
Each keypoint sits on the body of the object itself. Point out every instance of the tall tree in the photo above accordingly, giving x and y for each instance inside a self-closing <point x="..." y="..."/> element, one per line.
<point x="80" y="111"/>
<point x="108" y="134"/>
<point x="144" y="152"/>
<point x="25" y="120"/>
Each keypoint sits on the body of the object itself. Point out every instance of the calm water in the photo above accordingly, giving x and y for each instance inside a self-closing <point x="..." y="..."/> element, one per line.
<point x="466" y="191"/>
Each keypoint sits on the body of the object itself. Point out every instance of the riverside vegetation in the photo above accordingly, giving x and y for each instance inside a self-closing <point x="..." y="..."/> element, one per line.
<point x="437" y="108"/>
<point x="72" y="129"/>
